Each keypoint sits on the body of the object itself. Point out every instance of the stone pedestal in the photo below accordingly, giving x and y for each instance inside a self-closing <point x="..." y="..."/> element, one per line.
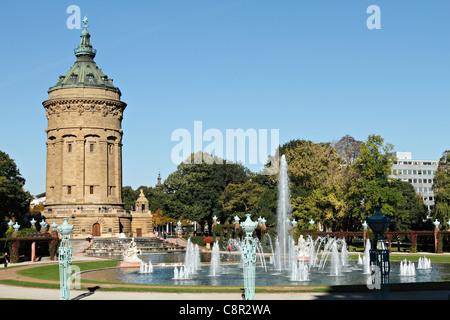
<point x="129" y="264"/>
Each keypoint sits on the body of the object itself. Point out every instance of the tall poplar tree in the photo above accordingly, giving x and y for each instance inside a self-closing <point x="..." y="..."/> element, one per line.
<point x="441" y="189"/>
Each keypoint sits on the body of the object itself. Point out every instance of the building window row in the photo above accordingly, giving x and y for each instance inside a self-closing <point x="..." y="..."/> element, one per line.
<point x="69" y="190"/>
<point x="91" y="148"/>
<point x="414" y="172"/>
<point x="421" y="180"/>
<point x="423" y="189"/>
<point x="417" y="163"/>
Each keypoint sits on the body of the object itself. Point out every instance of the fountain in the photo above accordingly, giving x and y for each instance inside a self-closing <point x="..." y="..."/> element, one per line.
<point x="146" y="267"/>
<point x="407" y="268"/>
<point x="366" y="258"/>
<point x="344" y="253"/>
<point x="306" y="262"/>
<point x="360" y="261"/>
<point x="191" y="262"/>
<point x="180" y="274"/>
<point x="424" y="263"/>
<point x="336" y="264"/>
<point x="299" y="271"/>
<point x="298" y="266"/>
<point x="215" y="259"/>
<point x="283" y="210"/>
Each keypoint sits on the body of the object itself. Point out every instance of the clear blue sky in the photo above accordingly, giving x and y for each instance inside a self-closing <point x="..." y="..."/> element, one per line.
<point x="311" y="69"/>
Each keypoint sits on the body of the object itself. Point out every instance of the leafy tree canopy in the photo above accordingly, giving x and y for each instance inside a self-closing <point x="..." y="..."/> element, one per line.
<point x="441" y="188"/>
<point x="194" y="189"/>
<point x="14" y="200"/>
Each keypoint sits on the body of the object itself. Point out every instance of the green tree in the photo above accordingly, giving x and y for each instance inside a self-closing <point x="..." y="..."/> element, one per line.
<point x="241" y="199"/>
<point x="441" y="188"/>
<point x="372" y="187"/>
<point x="194" y="189"/>
<point x="348" y="149"/>
<point x="129" y="197"/>
<point x="310" y="164"/>
<point x="315" y="172"/>
<point x="267" y="204"/>
<point x="14" y="200"/>
<point x="413" y="211"/>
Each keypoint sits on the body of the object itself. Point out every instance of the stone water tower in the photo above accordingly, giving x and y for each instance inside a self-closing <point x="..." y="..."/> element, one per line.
<point x="84" y="149"/>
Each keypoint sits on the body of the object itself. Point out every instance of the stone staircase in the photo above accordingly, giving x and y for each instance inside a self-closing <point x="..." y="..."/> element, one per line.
<point x="78" y="246"/>
<point x="115" y="246"/>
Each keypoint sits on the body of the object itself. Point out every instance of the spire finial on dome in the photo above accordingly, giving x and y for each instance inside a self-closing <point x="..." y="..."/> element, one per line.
<point x="85" y="48"/>
<point x="85" y="22"/>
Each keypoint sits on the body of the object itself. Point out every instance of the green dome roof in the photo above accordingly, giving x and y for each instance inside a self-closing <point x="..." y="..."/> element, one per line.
<point x="85" y="72"/>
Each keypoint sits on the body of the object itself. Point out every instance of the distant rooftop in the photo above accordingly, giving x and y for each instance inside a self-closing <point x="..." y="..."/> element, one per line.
<point x="403" y="155"/>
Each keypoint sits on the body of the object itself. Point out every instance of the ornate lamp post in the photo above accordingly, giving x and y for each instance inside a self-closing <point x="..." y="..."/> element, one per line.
<point x="179" y="229"/>
<point x="379" y="255"/>
<point x="54" y="226"/>
<point x="249" y="258"/>
<point x="16" y="227"/>
<point x="436" y="224"/>
<point x="436" y="230"/>
<point x="65" y="259"/>
<point x="365" y="225"/>
<point x="263" y="222"/>
<point x="43" y="226"/>
<point x="236" y="224"/>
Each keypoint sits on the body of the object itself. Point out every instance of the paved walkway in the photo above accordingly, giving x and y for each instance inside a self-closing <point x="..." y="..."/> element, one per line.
<point x="16" y="292"/>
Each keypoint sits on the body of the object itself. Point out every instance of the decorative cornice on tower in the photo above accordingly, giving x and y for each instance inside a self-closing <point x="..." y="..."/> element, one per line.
<point x="80" y="105"/>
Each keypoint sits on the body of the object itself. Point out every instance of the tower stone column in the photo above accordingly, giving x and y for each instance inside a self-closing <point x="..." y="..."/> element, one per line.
<point x="84" y="148"/>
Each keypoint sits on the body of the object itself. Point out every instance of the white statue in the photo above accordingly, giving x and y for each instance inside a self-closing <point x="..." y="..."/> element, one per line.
<point x="130" y="253"/>
<point x="303" y="248"/>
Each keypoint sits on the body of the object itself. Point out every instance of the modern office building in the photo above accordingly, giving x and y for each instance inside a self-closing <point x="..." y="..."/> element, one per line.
<point x="420" y="173"/>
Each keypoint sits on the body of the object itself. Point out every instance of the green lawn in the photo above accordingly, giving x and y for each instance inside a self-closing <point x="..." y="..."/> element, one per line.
<point x="51" y="272"/>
